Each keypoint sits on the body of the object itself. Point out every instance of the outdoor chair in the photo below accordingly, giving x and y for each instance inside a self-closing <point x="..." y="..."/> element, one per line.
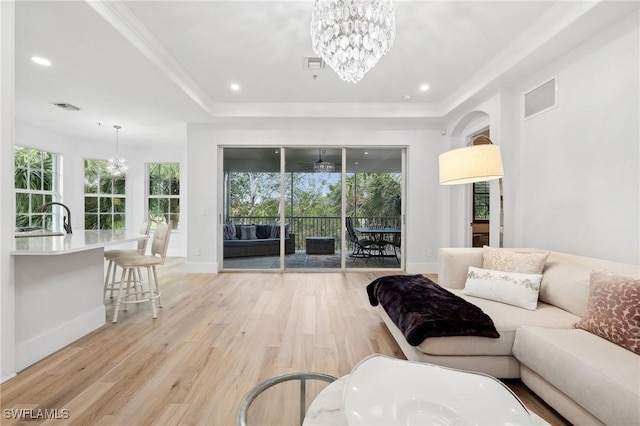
<point x="363" y="246"/>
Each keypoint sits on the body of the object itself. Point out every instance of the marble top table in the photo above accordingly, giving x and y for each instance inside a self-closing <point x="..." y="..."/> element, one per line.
<point x="326" y="409"/>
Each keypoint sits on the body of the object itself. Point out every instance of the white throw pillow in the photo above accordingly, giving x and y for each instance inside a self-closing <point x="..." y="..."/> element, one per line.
<point x="506" y="287"/>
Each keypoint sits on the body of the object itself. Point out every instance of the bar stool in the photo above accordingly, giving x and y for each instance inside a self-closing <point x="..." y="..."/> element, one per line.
<point x="130" y="263"/>
<point x="110" y="283"/>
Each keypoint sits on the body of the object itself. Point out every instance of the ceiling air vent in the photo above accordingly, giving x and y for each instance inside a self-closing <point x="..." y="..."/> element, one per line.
<point x="312" y="63"/>
<point x="540" y="99"/>
<point x="65" y="106"/>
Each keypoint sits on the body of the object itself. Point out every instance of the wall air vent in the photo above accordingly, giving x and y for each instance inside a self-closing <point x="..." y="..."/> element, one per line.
<point x="312" y="63"/>
<point x="540" y="99"/>
<point x="65" y="106"/>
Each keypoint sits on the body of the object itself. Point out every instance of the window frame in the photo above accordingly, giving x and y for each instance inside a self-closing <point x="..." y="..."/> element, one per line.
<point x="484" y="194"/>
<point x="49" y="219"/>
<point x="171" y="197"/>
<point x="103" y="212"/>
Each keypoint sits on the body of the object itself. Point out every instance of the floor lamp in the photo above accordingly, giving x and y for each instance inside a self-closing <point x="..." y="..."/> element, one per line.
<point x="474" y="163"/>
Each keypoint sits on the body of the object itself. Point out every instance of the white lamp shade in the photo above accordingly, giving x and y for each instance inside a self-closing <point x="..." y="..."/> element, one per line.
<point x="475" y="163"/>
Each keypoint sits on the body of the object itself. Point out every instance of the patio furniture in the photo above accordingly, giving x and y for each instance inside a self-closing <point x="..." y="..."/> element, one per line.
<point x="379" y="241"/>
<point x="262" y="245"/>
<point x="320" y="245"/>
<point x="362" y="245"/>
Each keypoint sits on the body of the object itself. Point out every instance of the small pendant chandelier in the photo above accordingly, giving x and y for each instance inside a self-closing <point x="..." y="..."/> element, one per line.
<point x="117" y="166"/>
<point x="323" y="166"/>
<point x="352" y="35"/>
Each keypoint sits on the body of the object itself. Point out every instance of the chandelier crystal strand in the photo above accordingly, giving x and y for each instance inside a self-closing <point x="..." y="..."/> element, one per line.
<point x="116" y="165"/>
<point x="352" y="35"/>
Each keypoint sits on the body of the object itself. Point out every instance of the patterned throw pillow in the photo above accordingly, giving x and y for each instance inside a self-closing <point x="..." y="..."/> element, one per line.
<point x="614" y="309"/>
<point x="275" y="230"/>
<point x="229" y="231"/>
<point x="510" y="261"/>
<point x="512" y="288"/>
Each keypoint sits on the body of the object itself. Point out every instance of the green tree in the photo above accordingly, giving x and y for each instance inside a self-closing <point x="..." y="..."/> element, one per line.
<point x="34" y="186"/>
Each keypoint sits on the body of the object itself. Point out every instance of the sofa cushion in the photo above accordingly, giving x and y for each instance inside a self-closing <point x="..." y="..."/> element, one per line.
<point x="507" y="287"/>
<point x="565" y="282"/>
<point x="614" y="309"/>
<point x="506" y="319"/>
<point x="229" y="231"/>
<point x="275" y="230"/>
<point x="600" y="376"/>
<point x="248" y="232"/>
<point x="263" y="231"/>
<point x="511" y="261"/>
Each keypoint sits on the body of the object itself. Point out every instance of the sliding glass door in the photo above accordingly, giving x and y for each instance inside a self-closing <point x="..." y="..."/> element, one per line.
<point x="323" y="208"/>
<point x="312" y="201"/>
<point x="251" y="230"/>
<point x="374" y="207"/>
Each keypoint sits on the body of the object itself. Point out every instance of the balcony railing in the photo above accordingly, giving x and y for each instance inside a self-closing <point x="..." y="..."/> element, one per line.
<point x="320" y="226"/>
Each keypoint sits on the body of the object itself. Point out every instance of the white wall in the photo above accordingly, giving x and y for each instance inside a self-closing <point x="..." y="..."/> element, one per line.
<point x="579" y="164"/>
<point x="424" y="142"/>
<point x="7" y="218"/>
<point x="572" y="174"/>
<point x="74" y="153"/>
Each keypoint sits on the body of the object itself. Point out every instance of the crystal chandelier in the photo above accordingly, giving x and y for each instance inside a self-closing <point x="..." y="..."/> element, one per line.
<point x="117" y="166"/>
<point x="352" y="35"/>
<point x="323" y="166"/>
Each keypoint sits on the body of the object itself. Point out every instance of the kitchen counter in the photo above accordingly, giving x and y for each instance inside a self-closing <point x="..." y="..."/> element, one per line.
<point x="71" y="243"/>
<point x="59" y="289"/>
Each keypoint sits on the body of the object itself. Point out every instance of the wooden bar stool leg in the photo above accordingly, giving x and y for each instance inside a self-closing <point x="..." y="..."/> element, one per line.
<point x="106" y="279"/>
<point x="152" y="298"/>
<point x="120" y="297"/>
<point x="130" y="283"/>
<point x="155" y="278"/>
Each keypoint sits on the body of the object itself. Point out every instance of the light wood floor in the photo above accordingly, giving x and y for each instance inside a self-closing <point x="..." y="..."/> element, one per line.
<point x="216" y="338"/>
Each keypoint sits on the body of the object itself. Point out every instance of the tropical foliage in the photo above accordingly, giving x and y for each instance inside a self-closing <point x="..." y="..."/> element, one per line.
<point x="34" y="182"/>
<point x="314" y="194"/>
<point x="104" y="200"/>
<point x="164" y="193"/>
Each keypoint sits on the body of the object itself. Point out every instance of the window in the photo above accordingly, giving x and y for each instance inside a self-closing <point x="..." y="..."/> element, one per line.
<point x="481" y="202"/>
<point x="36" y="179"/>
<point x="163" y="201"/>
<point x="104" y="197"/>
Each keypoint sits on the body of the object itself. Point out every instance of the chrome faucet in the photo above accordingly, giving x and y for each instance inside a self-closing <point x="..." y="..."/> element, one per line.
<point x="66" y="225"/>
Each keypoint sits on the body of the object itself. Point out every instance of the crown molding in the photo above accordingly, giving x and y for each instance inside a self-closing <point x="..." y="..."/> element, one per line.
<point x="557" y="18"/>
<point x="129" y="26"/>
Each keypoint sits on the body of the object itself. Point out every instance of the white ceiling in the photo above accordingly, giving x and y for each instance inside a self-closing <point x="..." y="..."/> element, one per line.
<point x="153" y="66"/>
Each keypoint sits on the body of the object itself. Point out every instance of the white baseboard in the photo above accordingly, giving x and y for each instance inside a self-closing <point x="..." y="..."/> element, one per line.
<point x="38" y="347"/>
<point x="11" y="376"/>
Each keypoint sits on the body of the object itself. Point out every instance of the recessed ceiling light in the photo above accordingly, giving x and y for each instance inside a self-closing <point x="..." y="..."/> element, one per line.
<point x="235" y="87"/>
<point x="41" y="61"/>
<point x="366" y="153"/>
<point x="424" y="87"/>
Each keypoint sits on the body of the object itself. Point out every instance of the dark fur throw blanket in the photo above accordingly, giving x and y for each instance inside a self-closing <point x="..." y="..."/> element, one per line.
<point x="421" y="308"/>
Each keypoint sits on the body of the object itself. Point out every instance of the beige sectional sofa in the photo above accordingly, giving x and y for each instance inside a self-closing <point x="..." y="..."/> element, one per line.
<point x="587" y="379"/>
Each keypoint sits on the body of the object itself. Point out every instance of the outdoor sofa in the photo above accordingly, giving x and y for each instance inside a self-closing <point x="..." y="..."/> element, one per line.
<point x="256" y="240"/>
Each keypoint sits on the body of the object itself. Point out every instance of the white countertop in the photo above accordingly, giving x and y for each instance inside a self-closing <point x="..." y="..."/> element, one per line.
<point x="80" y="240"/>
